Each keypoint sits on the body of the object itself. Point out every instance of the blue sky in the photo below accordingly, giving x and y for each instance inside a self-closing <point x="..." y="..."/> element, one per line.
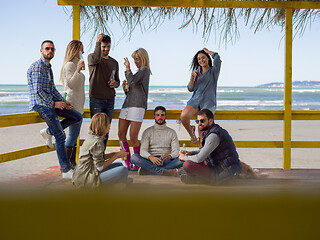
<point x="254" y="59"/>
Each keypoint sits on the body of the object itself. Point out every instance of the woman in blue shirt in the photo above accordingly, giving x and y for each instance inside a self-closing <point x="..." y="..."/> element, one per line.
<point x="203" y="84"/>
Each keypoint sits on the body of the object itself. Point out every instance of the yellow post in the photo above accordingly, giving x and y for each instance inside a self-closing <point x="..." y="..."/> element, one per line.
<point x="76" y="36"/>
<point x="76" y="22"/>
<point x="287" y="93"/>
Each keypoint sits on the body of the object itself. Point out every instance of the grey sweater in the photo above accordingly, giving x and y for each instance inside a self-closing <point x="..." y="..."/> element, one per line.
<point x="138" y="88"/>
<point x="212" y="142"/>
<point x="158" y="140"/>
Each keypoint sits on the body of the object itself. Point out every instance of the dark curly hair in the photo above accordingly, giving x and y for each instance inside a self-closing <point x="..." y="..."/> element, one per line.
<point x="159" y="108"/>
<point x="206" y="112"/>
<point x="106" y="39"/>
<point x="195" y="65"/>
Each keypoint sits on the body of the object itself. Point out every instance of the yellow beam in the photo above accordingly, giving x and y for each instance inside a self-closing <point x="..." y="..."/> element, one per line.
<point x="248" y="115"/>
<point x="195" y="3"/>
<point x="258" y="144"/>
<point x="33" y="117"/>
<point x="225" y="115"/>
<point x="19" y="119"/>
<point x="76" y="22"/>
<point x="9" y="156"/>
<point x="306" y="115"/>
<point x="233" y="115"/>
<point x="305" y="144"/>
<point x="287" y="93"/>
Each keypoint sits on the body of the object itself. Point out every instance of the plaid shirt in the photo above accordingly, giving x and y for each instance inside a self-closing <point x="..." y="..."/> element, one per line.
<point x="42" y="90"/>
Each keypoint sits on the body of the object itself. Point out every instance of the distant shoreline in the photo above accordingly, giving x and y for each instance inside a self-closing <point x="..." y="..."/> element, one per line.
<point x="295" y="84"/>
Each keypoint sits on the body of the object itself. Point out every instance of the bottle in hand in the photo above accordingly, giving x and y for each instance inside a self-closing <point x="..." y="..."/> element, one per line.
<point x="183" y="149"/>
<point x="81" y="59"/>
<point x="122" y="147"/>
<point x="64" y="99"/>
<point x="126" y="86"/>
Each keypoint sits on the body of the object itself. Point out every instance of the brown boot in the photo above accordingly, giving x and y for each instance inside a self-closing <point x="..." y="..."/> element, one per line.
<point x="170" y="172"/>
<point x="142" y="172"/>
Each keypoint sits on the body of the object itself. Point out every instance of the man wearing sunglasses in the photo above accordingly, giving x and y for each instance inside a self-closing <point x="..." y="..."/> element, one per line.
<point x="159" y="148"/>
<point x="217" y="161"/>
<point x="48" y="102"/>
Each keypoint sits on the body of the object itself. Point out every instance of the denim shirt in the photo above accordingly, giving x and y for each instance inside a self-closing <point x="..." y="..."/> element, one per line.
<point x="42" y="89"/>
<point x="205" y="89"/>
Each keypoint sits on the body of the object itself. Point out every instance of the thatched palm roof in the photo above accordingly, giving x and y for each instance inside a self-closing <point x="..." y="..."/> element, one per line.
<point x="223" y="21"/>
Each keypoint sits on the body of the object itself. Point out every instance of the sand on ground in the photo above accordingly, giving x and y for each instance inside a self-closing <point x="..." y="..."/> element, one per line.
<point x="26" y="136"/>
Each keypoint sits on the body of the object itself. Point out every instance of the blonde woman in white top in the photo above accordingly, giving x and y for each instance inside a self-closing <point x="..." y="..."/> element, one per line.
<point x="73" y="81"/>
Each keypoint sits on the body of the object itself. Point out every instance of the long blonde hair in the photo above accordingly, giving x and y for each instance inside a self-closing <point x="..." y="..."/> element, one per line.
<point x="143" y="54"/>
<point x="73" y="49"/>
<point x="99" y="124"/>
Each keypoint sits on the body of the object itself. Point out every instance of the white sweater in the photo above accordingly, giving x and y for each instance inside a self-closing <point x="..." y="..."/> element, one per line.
<point x="74" y="85"/>
<point x="158" y="140"/>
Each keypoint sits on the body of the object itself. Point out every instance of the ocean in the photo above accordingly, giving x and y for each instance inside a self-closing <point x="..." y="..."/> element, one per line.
<point x="14" y="98"/>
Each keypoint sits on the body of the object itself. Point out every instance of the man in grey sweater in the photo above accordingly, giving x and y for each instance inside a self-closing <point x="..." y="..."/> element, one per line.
<point x="159" y="148"/>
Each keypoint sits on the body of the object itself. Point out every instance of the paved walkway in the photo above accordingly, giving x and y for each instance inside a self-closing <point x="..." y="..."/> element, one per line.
<point x="276" y="179"/>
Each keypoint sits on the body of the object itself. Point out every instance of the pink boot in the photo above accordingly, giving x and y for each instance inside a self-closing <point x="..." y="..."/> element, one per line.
<point x="136" y="150"/>
<point x="128" y="160"/>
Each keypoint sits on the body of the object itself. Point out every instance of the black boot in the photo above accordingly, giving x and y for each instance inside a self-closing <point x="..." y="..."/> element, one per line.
<point x="71" y="155"/>
<point x="72" y="159"/>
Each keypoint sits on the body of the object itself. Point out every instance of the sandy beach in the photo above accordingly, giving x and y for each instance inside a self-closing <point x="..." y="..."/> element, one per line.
<point x="26" y="136"/>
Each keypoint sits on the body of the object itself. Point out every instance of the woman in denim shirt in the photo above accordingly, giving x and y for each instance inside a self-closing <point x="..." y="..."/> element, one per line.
<point x="203" y="84"/>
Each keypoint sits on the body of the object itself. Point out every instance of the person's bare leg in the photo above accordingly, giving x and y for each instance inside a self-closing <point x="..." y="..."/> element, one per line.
<point x="185" y="117"/>
<point x="123" y="129"/>
<point x="134" y="132"/>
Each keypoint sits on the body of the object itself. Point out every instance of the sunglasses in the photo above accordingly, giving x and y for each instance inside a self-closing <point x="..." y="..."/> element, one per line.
<point x="200" y="121"/>
<point x="50" y="48"/>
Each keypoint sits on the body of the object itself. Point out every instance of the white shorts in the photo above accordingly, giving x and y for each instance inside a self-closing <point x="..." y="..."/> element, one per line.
<point x="134" y="114"/>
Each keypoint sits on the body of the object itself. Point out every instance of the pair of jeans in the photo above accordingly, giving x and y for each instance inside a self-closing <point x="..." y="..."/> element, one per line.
<point x="114" y="173"/>
<point x="74" y="131"/>
<point x="148" y="165"/>
<point x="102" y="106"/>
<point x="50" y="116"/>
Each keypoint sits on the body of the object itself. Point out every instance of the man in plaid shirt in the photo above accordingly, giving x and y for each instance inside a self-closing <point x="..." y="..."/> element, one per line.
<point x="47" y="101"/>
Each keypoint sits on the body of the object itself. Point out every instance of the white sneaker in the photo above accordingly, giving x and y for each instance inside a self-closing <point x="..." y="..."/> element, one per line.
<point x="68" y="175"/>
<point x="47" y="137"/>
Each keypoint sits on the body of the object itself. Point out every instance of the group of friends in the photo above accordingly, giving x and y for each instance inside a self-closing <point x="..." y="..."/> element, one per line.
<point x="159" y="152"/>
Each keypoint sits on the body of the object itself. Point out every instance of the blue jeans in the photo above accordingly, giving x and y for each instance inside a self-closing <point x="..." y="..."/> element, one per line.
<point x="74" y="131"/>
<point x="114" y="173"/>
<point x="102" y="105"/>
<point x="50" y="115"/>
<point x="148" y="165"/>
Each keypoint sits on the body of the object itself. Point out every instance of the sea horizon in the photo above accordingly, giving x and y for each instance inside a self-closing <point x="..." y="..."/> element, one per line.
<point x="14" y="98"/>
